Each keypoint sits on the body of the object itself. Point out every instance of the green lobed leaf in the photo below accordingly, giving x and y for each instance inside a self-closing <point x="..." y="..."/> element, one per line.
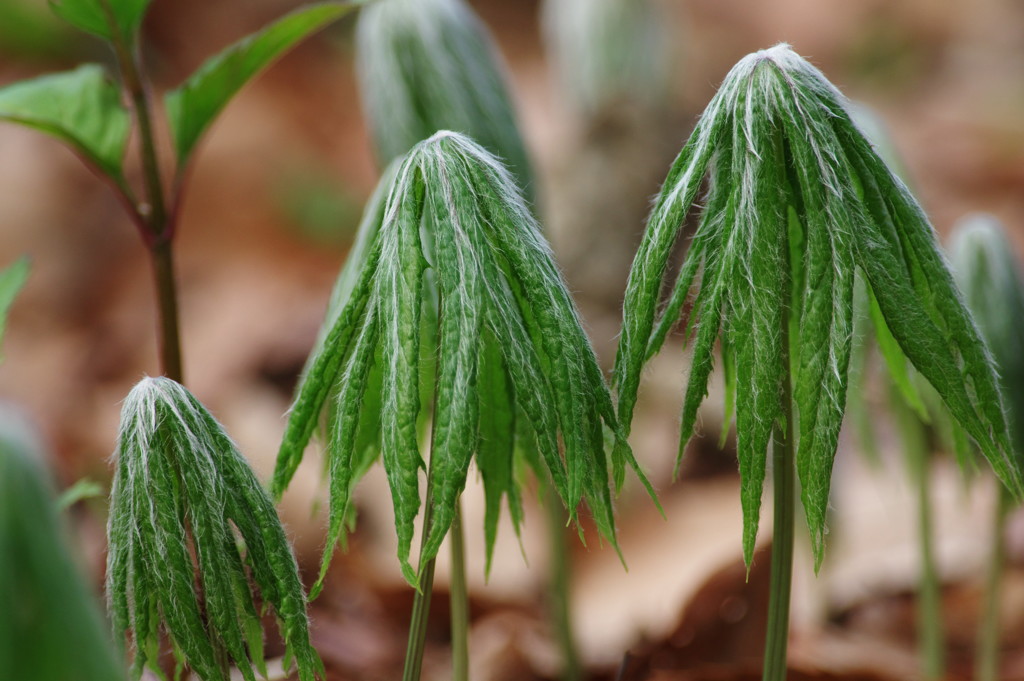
<point x="831" y="213"/>
<point x="114" y="20"/>
<point x="398" y="286"/>
<point x="495" y="439"/>
<point x="430" y="65"/>
<point x="458" y="248"/>
<point x="181" y="483"/>
<point x="344" y="435"/>
<point x="651" y="261"/>
<point x="791" y="178"/>
<point x="933" y="327"/>
<point x="194" y="105"/>
<point x="82" y="108"/>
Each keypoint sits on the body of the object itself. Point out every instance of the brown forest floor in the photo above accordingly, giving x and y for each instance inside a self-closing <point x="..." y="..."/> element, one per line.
<point x="271" y="207"/>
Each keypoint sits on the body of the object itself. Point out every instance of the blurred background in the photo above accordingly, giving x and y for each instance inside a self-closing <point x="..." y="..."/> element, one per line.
<point x="271" y="209"/>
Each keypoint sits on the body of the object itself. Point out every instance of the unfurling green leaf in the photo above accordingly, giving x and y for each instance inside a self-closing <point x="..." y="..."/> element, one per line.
<point x="193" y="106"/>
<point x="797" y="200"/>
<point x="456" y="246"/>
<point x="430" y="65"/>
<point x="990" y="277"/>
<point x="12" y="278"/>
<point x="82" y="108"/>
<point x="114" y="20"/>
<point x="51" y="628"/>
<point x="181" y="482"/>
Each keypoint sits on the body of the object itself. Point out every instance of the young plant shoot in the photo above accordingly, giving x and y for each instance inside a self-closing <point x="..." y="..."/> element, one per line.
<point x="990" y="277"/>
<point x="458" y="245"/>
<point x="430" y="65"/>
<point x="182" y="483"/>
<point x="797" y="200"/>
<point x="83" y="108"/>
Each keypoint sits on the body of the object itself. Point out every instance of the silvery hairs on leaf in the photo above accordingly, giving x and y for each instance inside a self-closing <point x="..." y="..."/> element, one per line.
<point x="990" y="277"/>
<point x="181" y="482"/>
<point x="430" y="65"/>
<point x="797" y="199"/>
<point x="509" y="347"/>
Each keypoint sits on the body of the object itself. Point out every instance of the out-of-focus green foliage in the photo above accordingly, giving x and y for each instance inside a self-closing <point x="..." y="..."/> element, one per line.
<point x="51" y="628"/>
<point x="430" y="65"/>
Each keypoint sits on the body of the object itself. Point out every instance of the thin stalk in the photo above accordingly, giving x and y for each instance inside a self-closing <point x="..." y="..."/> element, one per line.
<point x="157" y="224"/>
<point x="167" y="300"/>
<point x="930" y="630"/>
<point x="987" y="659"/>
<point x="784" y="495"/>
<point x="421" y="601"/>
<point x="558" y="588"/>
<point x="459" y="600"/>
<point x="425" y="588"/>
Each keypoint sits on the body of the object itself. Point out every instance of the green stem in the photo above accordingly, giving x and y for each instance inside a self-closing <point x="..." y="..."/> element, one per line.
<point x="421" y="601"/>
<point x="558" y="588"/>
<point x="170" y="343"/>
<point x="157" y="225"/>
<point x="459" y="600"/>
<point x="929" y="601"/>
<point x="784" y="494"/>
<point x="987" y="662"/>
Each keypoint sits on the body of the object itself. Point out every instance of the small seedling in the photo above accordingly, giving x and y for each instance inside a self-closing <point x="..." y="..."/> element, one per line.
<point x="458" y="245"/>
<point x="797" y="200"/>
<point x="83" y="108"/>
<point x="430" y="65"/>
<point x="184" y="501"/>
<point x="990" y="277"/>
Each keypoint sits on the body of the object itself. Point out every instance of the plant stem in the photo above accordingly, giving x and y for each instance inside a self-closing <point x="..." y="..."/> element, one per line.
<point x="987" y="663"/>
<point x="459" y="600"/>
<point x="784" y="495"/>
<point x="421" y="601"/>
<point x="929" y="601"/>
<point x="170" y="344"/>
<point x="425" y="587"/>
<point x="558" y="588"/>
<point x="157" y="226"/>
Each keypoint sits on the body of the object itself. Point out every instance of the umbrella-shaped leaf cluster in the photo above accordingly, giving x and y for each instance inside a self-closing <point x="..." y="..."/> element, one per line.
<point x="181" y="482"/>
<point x="430" y="65"/>
<point x="456" y="244"/>
<point x="796" y="201"/>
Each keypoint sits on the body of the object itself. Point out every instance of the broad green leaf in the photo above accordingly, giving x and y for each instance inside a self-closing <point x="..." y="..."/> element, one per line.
<point x="82" y="108"/>
<point x="52" y="628"/>
<point x="194" y="105"/>
<point x="114" y="20"/>
<point x="12" y="278"/>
